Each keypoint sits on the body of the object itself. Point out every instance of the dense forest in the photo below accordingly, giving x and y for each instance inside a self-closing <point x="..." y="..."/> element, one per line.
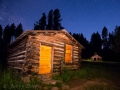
<point x="105" y="44"/>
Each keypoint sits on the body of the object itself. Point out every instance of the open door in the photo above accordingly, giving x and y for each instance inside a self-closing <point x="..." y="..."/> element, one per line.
<point x="45" y="59"/>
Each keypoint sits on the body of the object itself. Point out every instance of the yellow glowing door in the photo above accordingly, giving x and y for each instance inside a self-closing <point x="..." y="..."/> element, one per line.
<point x="45" y="59"/>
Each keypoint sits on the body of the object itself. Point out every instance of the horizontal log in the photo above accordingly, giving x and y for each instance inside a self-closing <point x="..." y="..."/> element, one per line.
<point x="58" y="45"/>
<point x="56" y="63"/>
<point x="16" y="64"/>
<point x="60" y="57"/>
<point x="33" y="58"/>
<point x="18" y="68"/>
<point x="23" y="41"/>
<point x="16" y="58"/>
<point x="16" y="54"/>
<point x="56" y="66"/>
<point x="75" y="60"/>
<point x="33" y="54"/>
<point x="17" y="47"/>
<point x="75" y="47"/>
<point x="35" y="61"/>
<point x="75" y="57"/>
<point x="75" y="52"/>
<point x="59" y="49"/>
<point x="72" y="66"/>
<point x="61" y="52"/>
<point x="16" y="51"/>
<point x="17" y="61"/>
<point x="37" y="53"/>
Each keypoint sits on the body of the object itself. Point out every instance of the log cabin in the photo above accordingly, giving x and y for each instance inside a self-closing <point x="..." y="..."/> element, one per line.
<point x="40" y="52"/>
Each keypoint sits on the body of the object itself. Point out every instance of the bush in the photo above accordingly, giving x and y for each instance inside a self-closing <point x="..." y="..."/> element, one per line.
<point x="81" y="73"/>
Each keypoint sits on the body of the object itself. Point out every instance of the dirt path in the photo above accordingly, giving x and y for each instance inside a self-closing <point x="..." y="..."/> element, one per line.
<point x="82" y="84"/>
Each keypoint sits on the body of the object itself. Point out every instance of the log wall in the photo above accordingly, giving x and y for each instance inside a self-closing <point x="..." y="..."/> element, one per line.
<point x="16" y="54"/>
<point x="58" y="54"/>
<point x="25" y="54"/>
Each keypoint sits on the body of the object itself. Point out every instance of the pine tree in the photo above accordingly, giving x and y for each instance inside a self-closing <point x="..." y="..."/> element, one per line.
<point x="105" y="38"/>
<point x="56" y="20"/>
<point x="111" y="40"/>
<point x="12" y="31"/>
<point x="1" y="30"/>
<point x="96" y="42"/>
<point x="50" y="20"/>
<point x="117" y="40"/>
<point x="7" y="34"/>
<point x="1" y="41"/>
<point x="41" y="24"/>
<point x="18" y="30"/>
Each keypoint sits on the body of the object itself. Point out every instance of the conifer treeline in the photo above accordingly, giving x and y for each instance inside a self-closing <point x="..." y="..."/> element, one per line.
<point x="9" y="33"/>
<point x="106" y="44"/>
<point x="51" y="22"/>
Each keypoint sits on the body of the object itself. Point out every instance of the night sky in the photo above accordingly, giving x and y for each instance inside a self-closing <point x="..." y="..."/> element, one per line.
<point x="79" y="16"/>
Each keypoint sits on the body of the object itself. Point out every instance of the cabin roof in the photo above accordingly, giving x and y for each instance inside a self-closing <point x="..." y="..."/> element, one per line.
<point x="34" y="32"/>
<point x="96" y="56"/>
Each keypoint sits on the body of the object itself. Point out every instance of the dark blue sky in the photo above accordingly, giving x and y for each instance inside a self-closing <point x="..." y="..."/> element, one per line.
<point x="79" y="16"/>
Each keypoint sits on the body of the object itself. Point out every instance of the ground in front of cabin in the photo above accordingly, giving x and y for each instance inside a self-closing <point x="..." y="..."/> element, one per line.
<point x="91" y="76"/>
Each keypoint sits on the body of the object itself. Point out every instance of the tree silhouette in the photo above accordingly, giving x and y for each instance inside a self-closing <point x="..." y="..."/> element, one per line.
<point x="56" y="20"/>
<point x="12" y="31"/>
<point x="41" y="24"/>
<point x="50" y="20"/>
<point x="82" y="40"/>
<point x="105" y="38"/>
<point x="18" y="30"/>
<point x="1" y="41"/>
<point x="1" y="30"/>
<point x="96" y="43"/>
<point x="117" y="40"/>
<point x="7" y="35"/>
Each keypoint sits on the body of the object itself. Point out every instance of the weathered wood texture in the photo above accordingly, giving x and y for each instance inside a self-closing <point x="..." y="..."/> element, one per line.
<point x="57" y="42"/>
<point x="16" y="54"/>
<point x="25" y="53"/>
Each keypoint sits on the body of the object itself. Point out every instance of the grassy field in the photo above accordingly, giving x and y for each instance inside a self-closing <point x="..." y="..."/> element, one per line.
<point x="91" y="76"/>
<point x="103" y="75"/>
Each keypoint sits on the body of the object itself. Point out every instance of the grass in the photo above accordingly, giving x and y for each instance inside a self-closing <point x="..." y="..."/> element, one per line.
<point x="101" y="70"/>
<point x="11" y="80"/>
<point x="110" y="72"/>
